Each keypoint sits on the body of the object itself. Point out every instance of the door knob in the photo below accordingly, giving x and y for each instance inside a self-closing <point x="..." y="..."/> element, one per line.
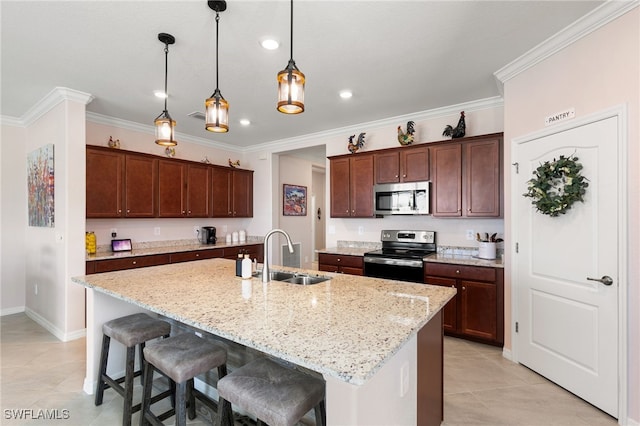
<point x="606" y="280"/>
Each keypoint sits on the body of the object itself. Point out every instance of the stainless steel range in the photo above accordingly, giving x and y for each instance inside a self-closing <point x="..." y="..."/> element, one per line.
<point x="401" y="255"/>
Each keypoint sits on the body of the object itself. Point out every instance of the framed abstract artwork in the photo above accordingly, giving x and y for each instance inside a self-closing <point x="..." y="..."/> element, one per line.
<point x="40" y="187"/>
<point x="294" y="199"/>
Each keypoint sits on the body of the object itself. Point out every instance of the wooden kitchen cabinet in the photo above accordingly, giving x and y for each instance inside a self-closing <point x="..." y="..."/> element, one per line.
<point x="477" y="310"/>
<point x="108" y="265"/>
<point x="351" y="185"/>
<point x="466" y="177"/>
<point x="402" y="165"/>
<point x="184" y="189"/>
<point x="342" y="264"/>
<point x="188" y="256"/>
<point x="120" y="184"/>
<point x="232" y="192"/>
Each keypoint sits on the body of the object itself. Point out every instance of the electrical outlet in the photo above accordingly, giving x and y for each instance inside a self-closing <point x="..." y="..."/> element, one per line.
<point x="156" y="230"/>
<point x="360" y="230"/>
<point x="114" y="232"/>
<point x="404" y="379"/>
<point x="470" y="234"/>
<point x="35" y="289"/>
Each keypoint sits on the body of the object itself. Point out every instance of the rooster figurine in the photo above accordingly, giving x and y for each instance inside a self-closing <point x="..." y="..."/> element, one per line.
<point x="234" y="164"/>
<point x="354" y="147"/>
<point x="458" y="131"/>
<point x="406" y="138"/>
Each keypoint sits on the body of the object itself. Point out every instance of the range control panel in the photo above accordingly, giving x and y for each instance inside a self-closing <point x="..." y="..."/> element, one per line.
<point x="408" y="236"/>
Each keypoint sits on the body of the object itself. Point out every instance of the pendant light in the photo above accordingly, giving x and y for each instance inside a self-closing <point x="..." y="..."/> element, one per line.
<point x="164" y="124"/>
<point x="291" y="84"/>
<point x="216" y="108"/>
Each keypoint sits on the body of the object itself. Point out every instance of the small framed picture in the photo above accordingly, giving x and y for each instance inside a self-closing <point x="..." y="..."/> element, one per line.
<point x="294" y="200"/>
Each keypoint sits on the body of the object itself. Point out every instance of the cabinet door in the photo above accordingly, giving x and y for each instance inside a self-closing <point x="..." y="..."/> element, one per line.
<point x="198" y="194"/>
<point x="446" y="171"/>
<point x="482" y="178"/>
<point x="140" y="192"/>
<point x="414" y="164"/>
<point x="104" y="183"/>
<point x="242" y="193"/>
<point x="171" y="189"/>
<point x="387" y="167"/>
<point x="221" y="192"/>
<point x="361" y="186"/>
<point x="478" y="310"/>
<point x="339" y="187"/>
<point x="450" y="310"/>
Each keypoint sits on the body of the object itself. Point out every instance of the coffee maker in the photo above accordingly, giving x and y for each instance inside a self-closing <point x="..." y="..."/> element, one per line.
<point x="207" y="235"/>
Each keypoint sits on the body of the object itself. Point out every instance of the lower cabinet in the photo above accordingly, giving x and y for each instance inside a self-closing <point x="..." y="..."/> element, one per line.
<point x="132" y="262"/>
<point x="477" y="310"/>
<point x="342" y="264"/>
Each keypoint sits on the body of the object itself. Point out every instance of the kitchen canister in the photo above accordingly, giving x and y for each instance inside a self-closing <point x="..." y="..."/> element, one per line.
<point x="242" y="235"/>
<point x="90" y="242"/>
<point x="234" y="236"/>
<point x="487" y="250"/>
<point x="228" y="238"/>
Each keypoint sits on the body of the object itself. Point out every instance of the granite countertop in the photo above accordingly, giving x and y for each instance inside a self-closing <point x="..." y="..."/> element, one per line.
<point x="169" y="248"/>
<point x="346" y="327"/>
<point x="458" y="259"/>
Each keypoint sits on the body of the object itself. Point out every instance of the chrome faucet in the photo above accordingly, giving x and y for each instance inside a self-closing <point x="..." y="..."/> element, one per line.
<point x="265" y="267"/>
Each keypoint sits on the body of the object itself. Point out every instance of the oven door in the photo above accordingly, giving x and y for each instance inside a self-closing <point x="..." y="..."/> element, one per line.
<point x="395" y="269"/>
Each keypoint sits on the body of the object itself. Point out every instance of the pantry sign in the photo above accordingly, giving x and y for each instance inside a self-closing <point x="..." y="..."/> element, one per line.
<point x="567" y="114"/>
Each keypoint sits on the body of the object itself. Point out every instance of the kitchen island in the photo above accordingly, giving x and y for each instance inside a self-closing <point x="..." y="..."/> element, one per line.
<point x="377" y="343"/>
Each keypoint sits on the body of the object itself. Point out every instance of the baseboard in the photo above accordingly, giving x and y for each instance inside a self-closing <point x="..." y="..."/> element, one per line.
<point x="506" y="353"/>
<point x="51" y="328"/>
<point x="631" y="422"/>
<point x="11" y="311"/>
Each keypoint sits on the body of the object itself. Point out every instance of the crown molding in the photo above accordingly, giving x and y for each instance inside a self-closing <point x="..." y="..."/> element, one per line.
<point x="53" y="98"/>
<point x="584" y="26"/>
<point x="149" y="129"/>
<point x="311" y="139"/>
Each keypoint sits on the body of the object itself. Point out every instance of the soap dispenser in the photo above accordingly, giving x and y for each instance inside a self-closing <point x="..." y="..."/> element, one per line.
<point x="246" y="267"/>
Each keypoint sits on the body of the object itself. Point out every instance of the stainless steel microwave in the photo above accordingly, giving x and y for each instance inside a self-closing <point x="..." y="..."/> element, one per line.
<point x="401" y="198"/>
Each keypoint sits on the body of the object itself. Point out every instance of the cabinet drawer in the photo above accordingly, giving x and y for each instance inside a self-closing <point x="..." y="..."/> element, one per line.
<point x="188" y="256"/>
<point x="465" y="272"/>
<point x="131" y="262"/>
<point x="341" y="260"/>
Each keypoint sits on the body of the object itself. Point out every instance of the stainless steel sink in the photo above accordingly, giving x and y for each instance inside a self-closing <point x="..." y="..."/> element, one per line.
<point x="293" y="277"/>
<point x="306" y="279"/>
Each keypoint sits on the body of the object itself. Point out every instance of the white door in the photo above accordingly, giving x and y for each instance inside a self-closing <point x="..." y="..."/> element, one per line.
<point x="567" y="324"/>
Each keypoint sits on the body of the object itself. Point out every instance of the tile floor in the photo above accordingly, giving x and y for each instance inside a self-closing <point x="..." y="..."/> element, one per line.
<point x="481" y="387"/>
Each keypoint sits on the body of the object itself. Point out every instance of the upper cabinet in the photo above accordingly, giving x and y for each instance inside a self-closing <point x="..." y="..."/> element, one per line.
<point x="232" y="192"/>
<point x="184" y="189"/>
<point x="120" y="184"/>
<point x="128" y="184"/>
<point x="402" y="165"/>
<point x="466" y="177"/>
<point x="351" y="181"/>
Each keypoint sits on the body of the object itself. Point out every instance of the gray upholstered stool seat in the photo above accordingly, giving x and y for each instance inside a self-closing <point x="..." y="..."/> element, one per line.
<point x="131" y="330"/>
<point x="275" y="394"/>
<point x="181" y="358"/>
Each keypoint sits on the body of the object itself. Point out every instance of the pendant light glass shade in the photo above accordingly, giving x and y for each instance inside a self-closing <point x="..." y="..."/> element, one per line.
<point x="216" y="107"/>
<point x="217" y="113"/>
<point x="291" y="84"/>
<point x="291" y="89"/>
<point x="164" y="124"/>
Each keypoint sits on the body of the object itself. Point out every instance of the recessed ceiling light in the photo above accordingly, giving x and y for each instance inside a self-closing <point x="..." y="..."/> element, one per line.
<point x="245" y="121"/>
<point x="346" y="94"/>
<point x="159" y="94"/>
<point x="270" y="44"/>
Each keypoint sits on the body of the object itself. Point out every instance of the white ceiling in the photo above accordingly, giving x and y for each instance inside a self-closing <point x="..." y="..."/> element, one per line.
<point x="398" y="57"/>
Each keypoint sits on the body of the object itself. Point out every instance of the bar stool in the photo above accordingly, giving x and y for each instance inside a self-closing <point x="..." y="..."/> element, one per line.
<point x="181" y="358"/>
<point x="276" y="395"/>
<point x="130" y="330"/>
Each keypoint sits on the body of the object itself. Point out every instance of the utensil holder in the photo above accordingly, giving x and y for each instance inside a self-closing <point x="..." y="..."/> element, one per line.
<point x="487" y="250"/>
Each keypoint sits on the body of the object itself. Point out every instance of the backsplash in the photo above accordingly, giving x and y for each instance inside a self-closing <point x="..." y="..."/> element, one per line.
<point x="142" y="245"/>
<point x="359" y="244"/>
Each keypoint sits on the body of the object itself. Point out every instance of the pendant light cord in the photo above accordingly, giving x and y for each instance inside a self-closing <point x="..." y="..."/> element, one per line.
<point x="291" y="55"/>
<point x="217" y="20"/>
<point x="166" y="71"/>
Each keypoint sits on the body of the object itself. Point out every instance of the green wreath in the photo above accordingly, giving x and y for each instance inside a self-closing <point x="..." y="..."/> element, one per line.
<point x="557" y="185"/>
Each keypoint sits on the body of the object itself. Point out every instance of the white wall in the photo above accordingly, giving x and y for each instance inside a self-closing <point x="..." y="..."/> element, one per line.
<point x="595" y="73"/>
<point x="13" y="219"/>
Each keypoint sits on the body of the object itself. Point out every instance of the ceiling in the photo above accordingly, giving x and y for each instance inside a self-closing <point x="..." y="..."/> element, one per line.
<point x="398" y="57"/>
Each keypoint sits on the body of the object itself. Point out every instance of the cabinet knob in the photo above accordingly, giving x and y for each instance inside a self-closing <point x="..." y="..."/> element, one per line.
<point x="197" y="254"/>
<point x="134" y="263"/>
<point x="128" y="211"/>
<point x="119" y="210"/>
<point x="189" y="211"/>
<point x="396" y="175"/>
<point x="404" y="176"/>
<point x="453" y="286"/>
<point x="338" y="260"/>
<point x="464" y="288"/>
<point x="183" y="212"/>
<point x="457" y="271"/>
<point x="347" y="212"/>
